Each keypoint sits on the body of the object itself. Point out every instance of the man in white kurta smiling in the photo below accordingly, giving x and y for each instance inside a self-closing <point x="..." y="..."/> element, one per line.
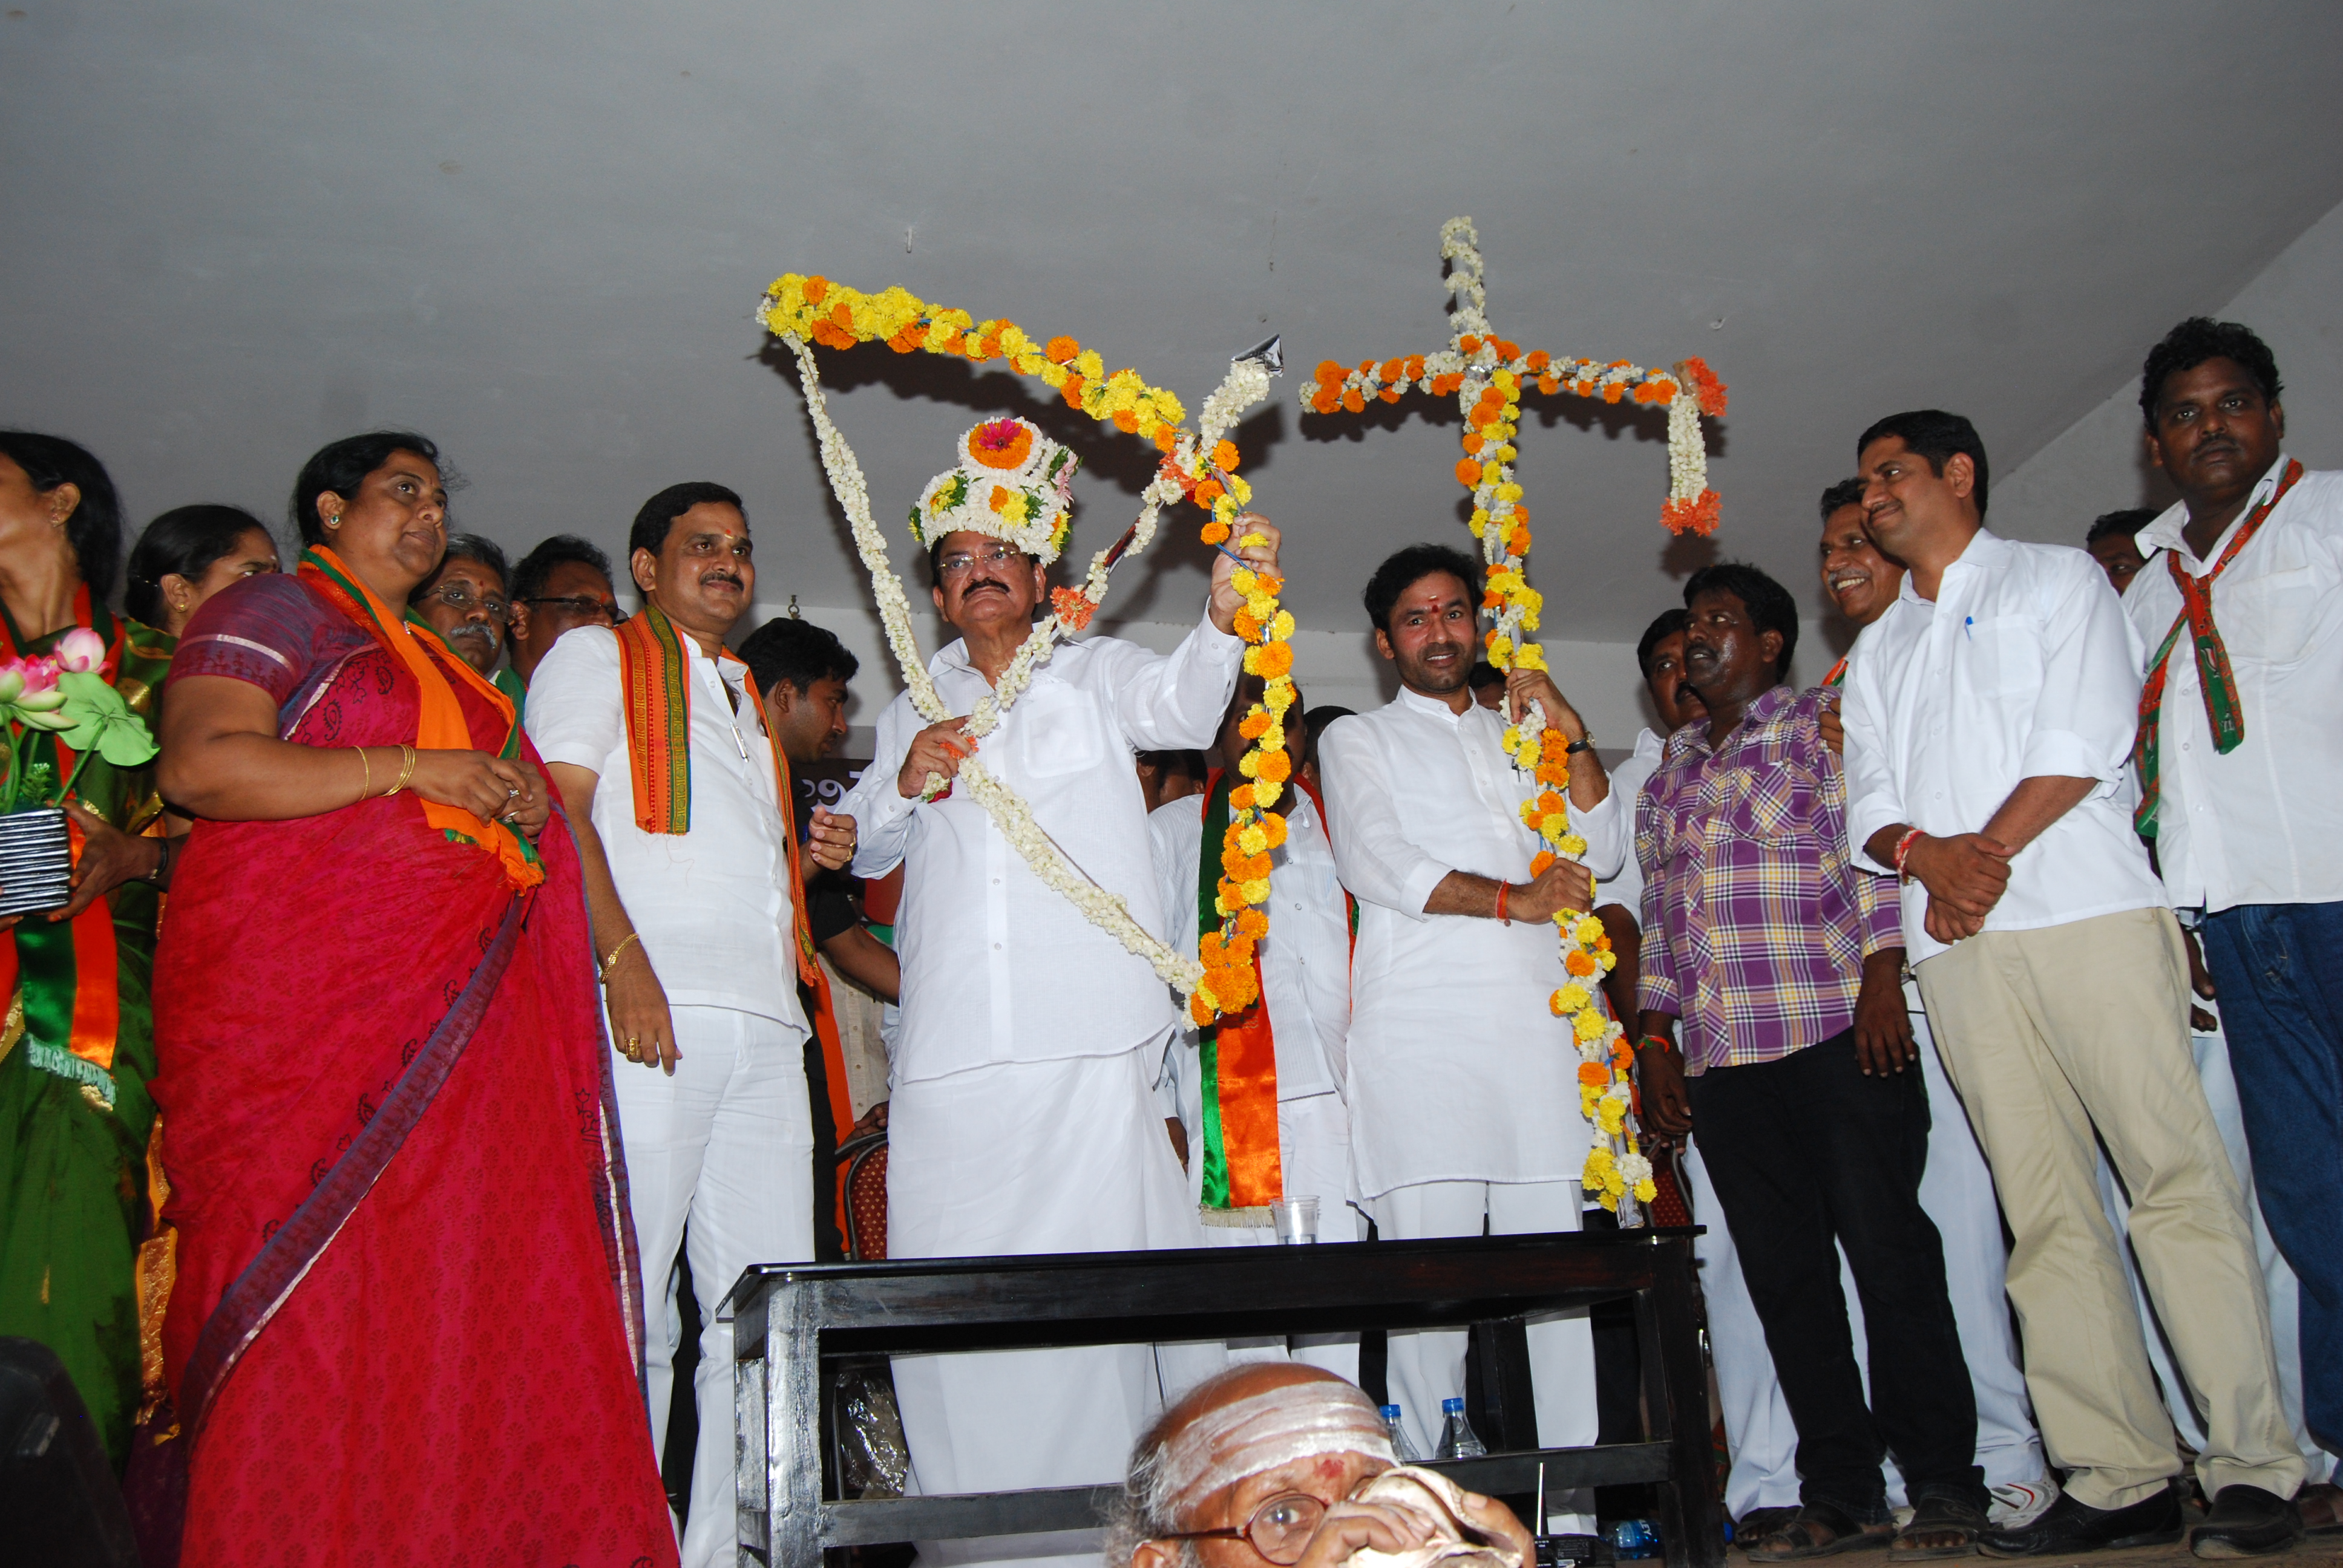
<point x="1463" y="1085"/>
<point x="1022" y="1119"/>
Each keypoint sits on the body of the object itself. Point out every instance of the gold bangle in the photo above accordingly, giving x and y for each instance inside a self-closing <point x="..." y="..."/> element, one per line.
<point x="365" y="779"/>
<point x="404" y="773"/>
<point x="611" y="963"/>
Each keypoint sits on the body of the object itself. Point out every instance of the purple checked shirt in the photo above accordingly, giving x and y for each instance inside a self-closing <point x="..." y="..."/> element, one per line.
<point x="1756" y="926"/>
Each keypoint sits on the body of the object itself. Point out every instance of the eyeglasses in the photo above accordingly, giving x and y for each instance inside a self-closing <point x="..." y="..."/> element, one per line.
<point x="1280" y="1529"/>
<point x="592" y="609"/>
<point x="458" y="597"/>
<point x="958" y="565"/>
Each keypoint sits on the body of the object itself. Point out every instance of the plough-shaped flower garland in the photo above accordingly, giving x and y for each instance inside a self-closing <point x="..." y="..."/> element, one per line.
<point x="1201" y="467"/>
<point x="1488" y="375"/>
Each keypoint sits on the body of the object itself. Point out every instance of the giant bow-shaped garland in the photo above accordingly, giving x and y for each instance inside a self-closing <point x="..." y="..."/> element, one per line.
<point x="1487" y="375"/>
<point x="1199" y="465"/>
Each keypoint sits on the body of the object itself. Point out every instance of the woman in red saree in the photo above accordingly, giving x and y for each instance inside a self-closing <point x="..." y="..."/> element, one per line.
<point x="403" y="1331"/>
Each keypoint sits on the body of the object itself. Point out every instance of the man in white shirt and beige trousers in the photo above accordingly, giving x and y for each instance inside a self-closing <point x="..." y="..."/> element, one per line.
<point x="655" y="736"/>
<point x="1464" y="1114"/>
<point x="1989" y="718"/>
<point x="1023" y="1118"/>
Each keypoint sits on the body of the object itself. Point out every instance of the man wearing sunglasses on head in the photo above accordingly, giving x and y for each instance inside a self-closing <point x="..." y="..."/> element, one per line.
<point x="563" y="584"/>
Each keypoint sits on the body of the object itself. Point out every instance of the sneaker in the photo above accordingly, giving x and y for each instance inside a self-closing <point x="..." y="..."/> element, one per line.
<point x="2020" y="1503"/>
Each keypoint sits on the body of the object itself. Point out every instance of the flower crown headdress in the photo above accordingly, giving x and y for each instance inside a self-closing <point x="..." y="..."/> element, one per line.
<point x="1012" y="483"/>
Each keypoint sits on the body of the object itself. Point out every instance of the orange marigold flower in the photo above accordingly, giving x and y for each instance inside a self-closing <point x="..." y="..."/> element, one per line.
<point x="1074" y="607"/>
<point x="1329" y="372"/>
<point x="1468" y="472"/>
<point x="815" y="289"/>
<point x="1697" y="516"/>
<point x="1253" y="925"/>
<point x="1001" y="444"/>
<point x="1276" y="659"/>
<point x="1611" y="392"/>
<point x="905" y="341"/>
<point x="1253" y="725"/>
<point x="1550" y="801"/>
<point x="1248" y="628"/>
<point x="1224" y="456"/>
<point x="1208" y="492"/>
<point x="1603" y="944"/>
<point x="1710" y="391"/>
<point x="842" y="316"/>
<point x="1508" y="350"/>
<point x="1518" y="541"/>
<point x="1389" y="394"/>
<point x="1125" y="421"/>
<point x="1392" y="369"/>
<point x="1166" y="439"/>
<point x="1273" y="828"/>
<point x="1492" y="599"/>
<point x="1549" y="384"/>
<point x="1324" y="398"/>
<point x="1651" y="392"/>
<point x="1540" y="860"/>
<point x="1469" y="344"/>
<point x="1594" y="1074"/>
<point x="1240" y="798"/>
<point x="1062" y="350"/>
<point x="1521" y="513"/>
<point x="1200" y="1006"/>
<point x="1578" y="963"/>
<point x="1216" y="532"/>
<point x="1072" y="391"/>
<point x="1473" y="442"/>
<point x="1352" y="401"/>
<point x="1539" y="359"/>
<point x="1276" y="767"/>
<point x="1416" y="367"/>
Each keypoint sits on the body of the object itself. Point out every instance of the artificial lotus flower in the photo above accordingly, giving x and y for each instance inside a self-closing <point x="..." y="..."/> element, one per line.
<point x="80" y="650"/>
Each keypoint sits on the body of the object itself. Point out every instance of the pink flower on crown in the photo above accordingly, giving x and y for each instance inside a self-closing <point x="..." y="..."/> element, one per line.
<point x="80" y="650"/>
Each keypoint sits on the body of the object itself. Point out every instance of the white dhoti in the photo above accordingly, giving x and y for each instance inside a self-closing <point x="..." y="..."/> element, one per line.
<point x="1957" y="1193"/>
<point x="2212" y="1053"/>
<point x="726" y="1144"/>
<point x="1067" y="1156"/>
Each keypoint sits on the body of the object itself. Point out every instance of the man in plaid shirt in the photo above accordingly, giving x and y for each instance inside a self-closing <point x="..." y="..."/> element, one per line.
<point x="1784" y="964"/>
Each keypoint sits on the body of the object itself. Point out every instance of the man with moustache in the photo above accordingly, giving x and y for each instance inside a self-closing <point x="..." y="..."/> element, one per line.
<point x="2241" y="722"/>
<point x="563" y="583"/>
<point x="1989" y="718"/>
<point x="1957" y="1191"/>
<point x="464" y="600"/>
<point x="1023" y="1118"/>
<point x="1463" y="1090"/>
<point x="1783" y="963"/>
<point x="680" y="801"/>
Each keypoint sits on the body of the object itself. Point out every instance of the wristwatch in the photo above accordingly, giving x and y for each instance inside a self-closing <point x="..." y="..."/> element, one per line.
<point x="1586" y="743"/>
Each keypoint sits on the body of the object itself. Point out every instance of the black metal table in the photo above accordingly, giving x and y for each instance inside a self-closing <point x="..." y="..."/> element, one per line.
<point x="788" y="1316"/>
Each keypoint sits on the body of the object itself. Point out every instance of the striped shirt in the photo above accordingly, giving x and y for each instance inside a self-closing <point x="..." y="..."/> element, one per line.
<point x="1756" y="926"/>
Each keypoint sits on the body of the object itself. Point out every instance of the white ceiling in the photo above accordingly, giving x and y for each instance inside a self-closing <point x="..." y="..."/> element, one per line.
<point x="536" y="231"/>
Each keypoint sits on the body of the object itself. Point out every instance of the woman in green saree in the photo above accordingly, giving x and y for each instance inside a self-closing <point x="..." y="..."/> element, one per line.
<point x="77" y="1045"/>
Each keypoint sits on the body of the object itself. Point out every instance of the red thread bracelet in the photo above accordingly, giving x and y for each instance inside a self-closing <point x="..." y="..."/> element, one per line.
<point x="1903" y="851"/>
<point x="1502" y="917"/>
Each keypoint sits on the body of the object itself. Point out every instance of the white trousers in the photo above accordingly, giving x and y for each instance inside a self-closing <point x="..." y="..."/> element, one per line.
<point x="726" y="1144"/>
<point x="1427" y="1365"/>
<point x="2212" y="1054"/>
<point x="1313" y="1152"/>
<point x="1064" y="1156"/>
<point x="1957" y="1191"/>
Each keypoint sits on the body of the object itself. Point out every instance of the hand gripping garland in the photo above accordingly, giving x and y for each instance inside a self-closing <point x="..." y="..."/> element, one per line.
<point x="1011" y="483"/>
<point x="1488" y="376"/>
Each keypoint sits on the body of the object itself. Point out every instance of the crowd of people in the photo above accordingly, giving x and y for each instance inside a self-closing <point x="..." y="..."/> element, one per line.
<point x="468" y="957"/>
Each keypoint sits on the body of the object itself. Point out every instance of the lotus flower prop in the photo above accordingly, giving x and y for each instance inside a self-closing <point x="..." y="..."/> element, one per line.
<point x="65" y="695"/>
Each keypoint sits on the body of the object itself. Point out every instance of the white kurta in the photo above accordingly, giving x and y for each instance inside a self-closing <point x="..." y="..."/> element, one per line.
<point x="1459" y="1071"/>
<point x="1023" y="1118"/>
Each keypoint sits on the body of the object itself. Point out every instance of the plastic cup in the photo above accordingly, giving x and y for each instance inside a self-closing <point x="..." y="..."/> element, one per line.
<point x="1297" y="1220"/>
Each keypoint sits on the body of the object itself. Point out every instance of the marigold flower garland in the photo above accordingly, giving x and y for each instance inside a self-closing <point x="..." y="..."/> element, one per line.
<point x="1201" y="467"/>
<point x="1487" y="375"/>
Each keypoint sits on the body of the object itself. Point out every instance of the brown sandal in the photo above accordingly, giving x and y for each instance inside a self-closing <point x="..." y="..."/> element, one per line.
<point x="1820" y="1530"/>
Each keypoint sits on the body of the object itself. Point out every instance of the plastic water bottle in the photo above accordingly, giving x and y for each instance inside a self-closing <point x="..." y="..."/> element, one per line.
<point x="1457" y="1439"/>
<point x="1401" y="1450"/>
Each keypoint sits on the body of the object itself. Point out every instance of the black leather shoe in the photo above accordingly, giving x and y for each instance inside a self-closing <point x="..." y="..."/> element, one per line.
<point x="2245" y="1521"/>
<point x="2068" y="1525"/>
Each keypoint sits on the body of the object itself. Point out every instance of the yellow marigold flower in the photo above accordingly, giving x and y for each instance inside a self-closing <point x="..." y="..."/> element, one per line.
<point x="1571" y="999"/>
<point x="1264" y="606"/>
<point x="1012" y="337"/>
<point x="1500" y="650"/>
<point x="1589" y="1024"/>
<point x="1552" y="823"/>
<point x="1257" y="892"/>
<point x="1250" y="764"/>
<point x="1509" y="491"/>
<point x="1589" y="929"/>
<point x="1611" y="1115"/>
<point x="1279" y="697"/>
<point x="1645" y="1191"/>
<point x="1573" y="846"/>
<point x="1088" y="364"/>
<point x="1273" y="738"/>
<point x="1513" y="739"/>
<point x="1608" y="961"/>
<point x="1280" y="626"/>
<point x="1266" y="793"/>
<point x="1252" y="840"/>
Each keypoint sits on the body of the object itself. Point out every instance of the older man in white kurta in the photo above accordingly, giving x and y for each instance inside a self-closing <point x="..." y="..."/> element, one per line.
<point x="1462" y="1086"/>
<point x="1023" y="1119"/>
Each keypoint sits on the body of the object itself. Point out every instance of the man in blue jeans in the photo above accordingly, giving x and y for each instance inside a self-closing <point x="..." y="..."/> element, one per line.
<point x="2241" y="739"/>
